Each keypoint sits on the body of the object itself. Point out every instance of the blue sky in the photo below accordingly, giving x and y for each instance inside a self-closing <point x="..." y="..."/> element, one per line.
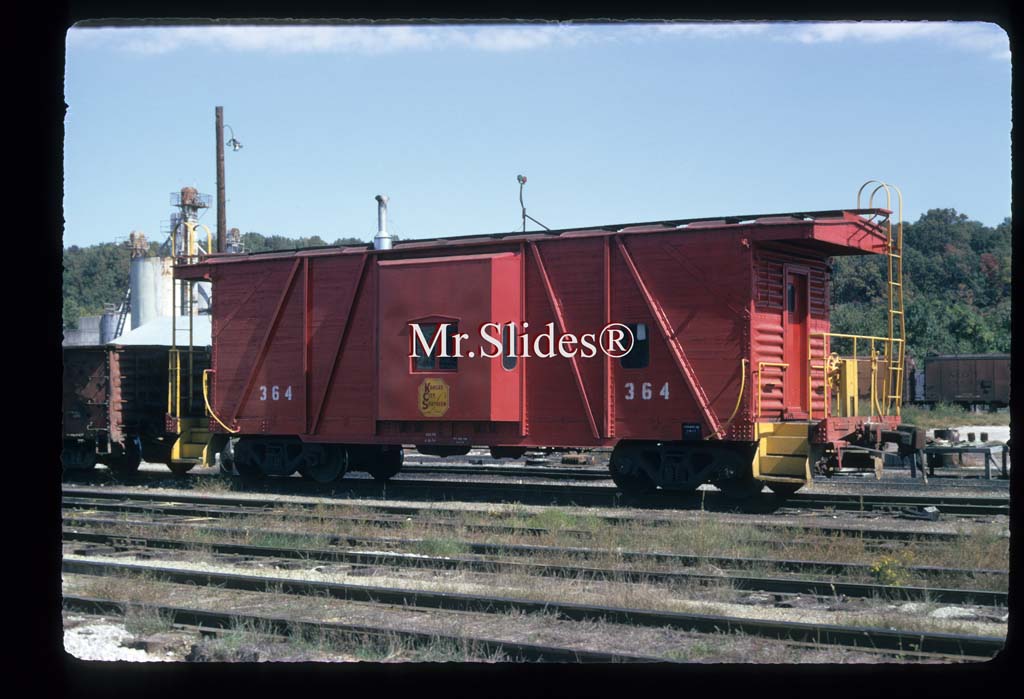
<point x="610" y="123"/>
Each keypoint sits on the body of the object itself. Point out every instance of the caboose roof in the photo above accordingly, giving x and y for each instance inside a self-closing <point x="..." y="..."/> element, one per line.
<point x="830" y="233"/>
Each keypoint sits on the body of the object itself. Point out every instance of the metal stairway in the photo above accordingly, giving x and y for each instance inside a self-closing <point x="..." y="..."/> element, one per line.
<point x="123" y="314"/>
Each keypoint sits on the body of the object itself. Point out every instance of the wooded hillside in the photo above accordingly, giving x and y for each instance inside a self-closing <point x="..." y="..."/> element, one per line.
<point x="956" y="283"/>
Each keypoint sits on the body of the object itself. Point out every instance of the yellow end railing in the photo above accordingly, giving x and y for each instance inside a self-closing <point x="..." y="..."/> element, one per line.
<point x="872" y="356"/>
<point x="209" y="408"/>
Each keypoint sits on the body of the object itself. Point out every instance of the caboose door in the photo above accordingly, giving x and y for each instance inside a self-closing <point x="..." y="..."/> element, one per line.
<point x="796" y="328"/>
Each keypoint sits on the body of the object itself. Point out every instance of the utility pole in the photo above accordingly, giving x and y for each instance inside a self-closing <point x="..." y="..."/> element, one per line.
<point x="221" y="213"/>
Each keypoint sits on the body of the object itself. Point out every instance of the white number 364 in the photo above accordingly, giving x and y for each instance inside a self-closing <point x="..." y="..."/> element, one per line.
<point x="275" y="393"/>
<point x="646" y="392"/>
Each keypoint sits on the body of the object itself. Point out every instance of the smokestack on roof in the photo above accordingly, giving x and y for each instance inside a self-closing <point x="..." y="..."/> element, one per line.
<point x="383" y="239"/>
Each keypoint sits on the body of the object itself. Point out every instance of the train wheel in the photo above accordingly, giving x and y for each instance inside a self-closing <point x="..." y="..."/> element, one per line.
<point x="180" y="470"/>
<point x="330" y="468"/>
<point x="387" y="464"/>
<point x="626" y="472"/>
<point x="784" y="490"/>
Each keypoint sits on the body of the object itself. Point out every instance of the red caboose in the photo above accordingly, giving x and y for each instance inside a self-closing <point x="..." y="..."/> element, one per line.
<point x="729" y="376"/>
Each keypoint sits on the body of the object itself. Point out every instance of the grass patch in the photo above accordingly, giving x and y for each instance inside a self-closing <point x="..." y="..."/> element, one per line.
<point x="248" y="642"/>
<point x="440" y="547"/>
<point x="143" y="620"/>
<point x="220" y="483"/>
<point x="554" y="519"/>
<point x="284" y="540"/>
<point x="891" y="569"/>
<point x="946" y="415"/>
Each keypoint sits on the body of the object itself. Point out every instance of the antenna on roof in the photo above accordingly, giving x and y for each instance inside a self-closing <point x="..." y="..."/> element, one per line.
<point x="521" y="179"/>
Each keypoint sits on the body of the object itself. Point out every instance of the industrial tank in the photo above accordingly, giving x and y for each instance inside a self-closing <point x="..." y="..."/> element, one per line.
<point x="151" y="283"/>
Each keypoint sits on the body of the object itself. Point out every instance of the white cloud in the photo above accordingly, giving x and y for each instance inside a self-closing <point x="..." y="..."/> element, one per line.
<point x="368" y="39"/>
<point x="971" y="36"/>
<point x="326" y="39"/>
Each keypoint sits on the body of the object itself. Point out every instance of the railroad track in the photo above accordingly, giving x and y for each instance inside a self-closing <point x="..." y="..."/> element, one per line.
<point x="206" y="505"/>
<point x="960" y="645"/>
<point x="523" y="550"/>
<point x="609" y="496"/>
<point x="789" y="586"/>
<point x="209" y="620"/>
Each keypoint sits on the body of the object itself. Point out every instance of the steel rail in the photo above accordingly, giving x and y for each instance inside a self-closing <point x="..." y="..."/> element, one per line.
<point x="830" y="634"/>
<point x="392" y="520"/>
<point x="286" y="626"/>
<point x="817" y="588"/>
<point x="493" y="549"/>
<point x="388" y="520"/>
<point x="609" y="496"/>
<point x="214" y="500"/>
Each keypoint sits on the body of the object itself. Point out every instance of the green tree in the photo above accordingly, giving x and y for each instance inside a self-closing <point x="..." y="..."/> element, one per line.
<point x="956" y="276"/>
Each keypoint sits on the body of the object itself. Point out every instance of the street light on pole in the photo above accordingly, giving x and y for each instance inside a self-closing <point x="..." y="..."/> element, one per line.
<point x="236" y="146"/>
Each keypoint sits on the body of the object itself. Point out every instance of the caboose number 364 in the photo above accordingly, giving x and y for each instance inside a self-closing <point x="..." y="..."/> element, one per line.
<point x="329" y="360"/>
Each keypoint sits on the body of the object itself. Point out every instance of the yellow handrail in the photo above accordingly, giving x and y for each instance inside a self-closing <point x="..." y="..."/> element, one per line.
<point x="760" y="368"/>
<point x="739" y="399"/>
<point x="872" y="357"/>
<point x="209" y="409"/>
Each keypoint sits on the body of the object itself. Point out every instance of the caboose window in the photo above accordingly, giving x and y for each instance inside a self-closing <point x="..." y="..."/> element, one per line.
<point x="640" y="355"/>
<point x="791" y="297"/>
<point x="507" y="363"/>
<point x="432" y="361"/>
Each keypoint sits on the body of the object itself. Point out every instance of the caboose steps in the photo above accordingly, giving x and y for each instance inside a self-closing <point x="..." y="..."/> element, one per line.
<point x="782" y="452"/>
<point x="192" y="441"/>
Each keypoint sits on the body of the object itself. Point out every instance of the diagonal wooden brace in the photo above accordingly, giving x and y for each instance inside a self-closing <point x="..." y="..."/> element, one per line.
<point x="352" y="298"/>
<point x="265" y="344"/>
<point x="560" y="319"/>
<point x="685" y="368"/>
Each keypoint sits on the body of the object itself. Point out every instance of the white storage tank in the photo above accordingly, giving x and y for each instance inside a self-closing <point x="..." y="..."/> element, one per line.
<point x="152" y="281"/>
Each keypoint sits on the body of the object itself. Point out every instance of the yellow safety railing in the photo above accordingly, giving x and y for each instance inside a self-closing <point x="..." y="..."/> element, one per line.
<point x="174" y="382"/>
<point x="872" y="356"/>
<point x="192" y="248"/>
<point x="760" y="368"/>
<point x="192" y="253"/>
<point x="739" y="399"/>
<point x="209" y="408"/>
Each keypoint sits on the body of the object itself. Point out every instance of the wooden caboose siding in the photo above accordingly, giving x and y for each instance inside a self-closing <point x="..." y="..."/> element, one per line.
<point x="343" y="349"/>
<point x="575" y="270"/>
<point x="324" y="378"/>
<point x="266" y="310"/>
<point x="701" y="281"/>
<point x="767" y="324"/>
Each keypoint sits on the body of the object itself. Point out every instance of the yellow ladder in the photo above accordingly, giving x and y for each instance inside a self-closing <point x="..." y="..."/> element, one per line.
<point x="895" y="346"/>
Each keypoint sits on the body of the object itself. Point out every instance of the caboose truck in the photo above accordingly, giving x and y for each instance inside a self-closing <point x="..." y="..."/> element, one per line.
<point x="731" y="378"/>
